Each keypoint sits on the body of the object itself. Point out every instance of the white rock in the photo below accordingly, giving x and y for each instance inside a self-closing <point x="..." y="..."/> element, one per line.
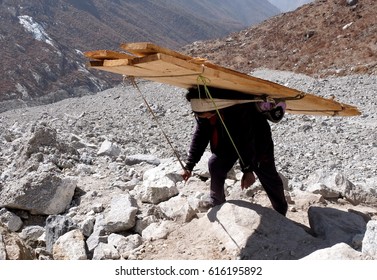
<point x="70" y="246"/>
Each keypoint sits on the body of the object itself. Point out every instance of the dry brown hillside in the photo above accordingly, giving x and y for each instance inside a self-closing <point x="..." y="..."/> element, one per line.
<point x="322" y="38"/>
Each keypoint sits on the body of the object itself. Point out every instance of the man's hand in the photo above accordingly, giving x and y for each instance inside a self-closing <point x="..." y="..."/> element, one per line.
<point x="247" y="180"/>
<point x="186" y="174"/>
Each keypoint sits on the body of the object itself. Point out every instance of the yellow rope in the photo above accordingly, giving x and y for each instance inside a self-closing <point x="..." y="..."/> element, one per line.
<point x="204" y="80"/>
<point x="135" y="85"/>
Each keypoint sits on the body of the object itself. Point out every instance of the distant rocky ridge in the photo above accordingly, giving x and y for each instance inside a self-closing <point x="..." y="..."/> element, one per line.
<point x="320" y="39"/>
<point x="42" y="42"/>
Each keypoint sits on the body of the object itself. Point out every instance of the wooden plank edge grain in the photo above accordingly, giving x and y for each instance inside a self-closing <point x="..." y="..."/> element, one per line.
<point x="166" y="66"/>
<point x="107" y="55"/>
<point x="145" y="48"/>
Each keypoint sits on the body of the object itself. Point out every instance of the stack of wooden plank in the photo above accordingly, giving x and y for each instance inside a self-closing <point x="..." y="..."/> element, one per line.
<point x="155" y="63"/>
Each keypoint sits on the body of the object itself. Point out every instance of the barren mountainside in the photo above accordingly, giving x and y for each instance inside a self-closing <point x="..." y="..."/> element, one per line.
<point x="323" y="38"/>
<point x="42" y="41"/>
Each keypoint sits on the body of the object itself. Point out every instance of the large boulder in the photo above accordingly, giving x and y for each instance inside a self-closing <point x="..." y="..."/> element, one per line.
<point x="335" y="226"/>
<point x="39" y="193"/>
<point x="159" y="183"/>
<point x="255" y="232"/>
<point x="122" y="214"/>
<point x="336" y="185"/>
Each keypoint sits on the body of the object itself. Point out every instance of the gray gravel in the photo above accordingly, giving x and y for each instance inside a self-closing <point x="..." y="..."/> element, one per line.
<point x="304" y="144"/>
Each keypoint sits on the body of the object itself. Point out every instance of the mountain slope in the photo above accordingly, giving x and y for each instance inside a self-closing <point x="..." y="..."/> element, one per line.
<point x="42" y="41"/>
<point x="248" y="12"/>
<point x="322" y="38"/>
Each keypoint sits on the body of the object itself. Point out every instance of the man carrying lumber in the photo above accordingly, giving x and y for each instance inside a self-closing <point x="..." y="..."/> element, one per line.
<point x="236" y="130"/>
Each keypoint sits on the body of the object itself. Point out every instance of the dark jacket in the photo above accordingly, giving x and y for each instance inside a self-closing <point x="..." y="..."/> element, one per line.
<point x="249" y="130"/>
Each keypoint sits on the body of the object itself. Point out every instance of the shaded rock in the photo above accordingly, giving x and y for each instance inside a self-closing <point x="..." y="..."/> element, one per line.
<point x="44" y="146"/>
<point x="335" y="226"/>
<point x="44" y="194"/>
<point x="336" y="185"/>
<point x="56" y="226"/>
<point x="362" y="194"/>
<point x="255" y="232"/>
<point x="42" y="136"/>
<point x="143" y="222"/>
<point x="201" y="168"/>
<point x="87" y="226"/>
<point x="98" y="235"/>
<point x="32" y="235"/>
<point x="10" y="220"/>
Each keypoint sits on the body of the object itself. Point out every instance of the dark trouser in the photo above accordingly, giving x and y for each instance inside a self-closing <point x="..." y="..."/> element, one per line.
<point x="273" y="185"/>
<point x="218" y="169"/>
<point x="265" y="171"/>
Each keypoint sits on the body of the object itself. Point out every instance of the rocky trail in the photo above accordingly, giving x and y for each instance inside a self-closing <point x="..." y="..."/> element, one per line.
<point x="120" y="195"/>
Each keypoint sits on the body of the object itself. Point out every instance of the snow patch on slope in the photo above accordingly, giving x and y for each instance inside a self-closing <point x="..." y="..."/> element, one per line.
<point x="36" y="29"/>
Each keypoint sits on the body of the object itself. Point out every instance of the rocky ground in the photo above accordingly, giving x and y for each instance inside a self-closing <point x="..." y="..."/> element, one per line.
<point x="305" y="147"/>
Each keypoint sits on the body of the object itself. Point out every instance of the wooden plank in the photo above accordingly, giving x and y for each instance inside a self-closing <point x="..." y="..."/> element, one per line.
<point x="188" y="72"/>
<point x="146" y="48"/>
<point x="315" y="105"/>
<point x="105" y="54"/>
<point x="165" y="66"/>
<point x="123" y="67"/>
<point x="162" y="65"/>
<point x="160" y="68"/>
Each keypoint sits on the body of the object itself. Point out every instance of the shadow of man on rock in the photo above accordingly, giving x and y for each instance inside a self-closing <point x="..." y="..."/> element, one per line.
<point x="257" y="232"/>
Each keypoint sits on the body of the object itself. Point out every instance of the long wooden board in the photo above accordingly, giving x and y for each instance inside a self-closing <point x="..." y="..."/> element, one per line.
<point x="155" y="63"/>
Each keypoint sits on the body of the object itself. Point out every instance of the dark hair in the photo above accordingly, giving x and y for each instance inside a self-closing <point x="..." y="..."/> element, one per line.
<point x="200" y="92"/>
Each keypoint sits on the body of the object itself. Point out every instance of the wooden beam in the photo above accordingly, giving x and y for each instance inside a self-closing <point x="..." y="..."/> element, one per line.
<point x="162" y="65"/>
<point x="146" y="48"/>
<point x="105" y="54"/>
